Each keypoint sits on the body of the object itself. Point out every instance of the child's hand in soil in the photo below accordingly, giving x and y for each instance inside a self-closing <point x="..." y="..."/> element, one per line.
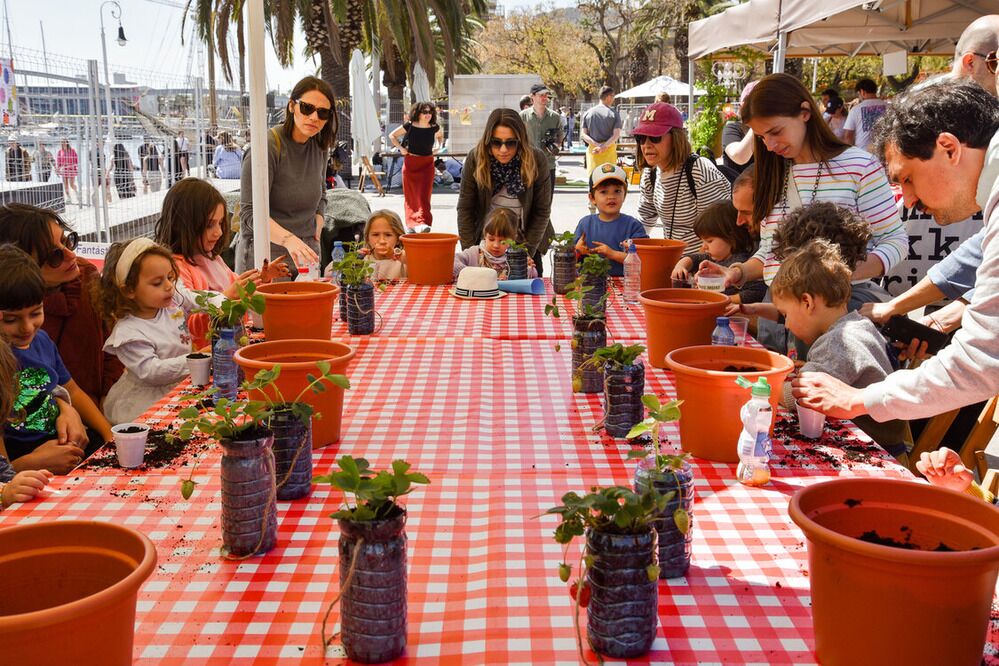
<point x="943" y="468"/>
<point x="25" y="486"/>
<point x="53" y="456"/>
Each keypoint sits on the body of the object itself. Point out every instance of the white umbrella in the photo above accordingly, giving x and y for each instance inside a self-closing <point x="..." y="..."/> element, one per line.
<point x="364" y="126"/>
<point x="421" y="84"/>
<point x="660" y="84"/>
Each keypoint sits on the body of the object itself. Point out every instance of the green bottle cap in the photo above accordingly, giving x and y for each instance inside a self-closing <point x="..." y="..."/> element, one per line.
<point x="759" y="388"/>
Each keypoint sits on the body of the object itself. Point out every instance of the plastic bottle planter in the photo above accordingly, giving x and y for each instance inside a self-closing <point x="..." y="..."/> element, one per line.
<point x="249" y="510"/>
<point x="373" y="606"/>
<point x="588" y="335"/>
<point x="623" y="389"/>
<point x="360" y="309"/>
<point x="674" y="545"/>
<point x="621" y="617"/>
<point x="516" y="259"/>
<point x="594" y="297"/>
<point x="343" y="302"/>
<point x="563" y="270"/>
<point x="225" y="374"/>
<point x="292" y="456"/>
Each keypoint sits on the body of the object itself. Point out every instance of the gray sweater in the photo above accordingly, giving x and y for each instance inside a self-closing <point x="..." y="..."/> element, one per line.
<point x="854" y="352"/>
<point x="296" y="176"/>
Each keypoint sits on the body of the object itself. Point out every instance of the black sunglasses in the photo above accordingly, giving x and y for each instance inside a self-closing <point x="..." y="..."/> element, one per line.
<point x="640" y="139"/>
<point x="500" y="143"/>
<point x="58" y="256"/>
<point x="306" y="109"/>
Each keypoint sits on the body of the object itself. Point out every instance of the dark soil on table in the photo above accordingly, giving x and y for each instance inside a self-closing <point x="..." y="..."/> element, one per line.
<point x="161" y="451"/>
<point x="823" y="451"/>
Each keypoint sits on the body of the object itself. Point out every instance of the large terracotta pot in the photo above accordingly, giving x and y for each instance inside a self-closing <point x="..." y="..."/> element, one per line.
<point x="659" y="256"/>
<point x="676" y="318"/>
<point x="429" y="257"/>
<point x="298" y="310"/>
<point x="298" y="360"/>
<point x="878" y="604"/>
<point x="68" y="591"/>
<point x="711" y="425"/>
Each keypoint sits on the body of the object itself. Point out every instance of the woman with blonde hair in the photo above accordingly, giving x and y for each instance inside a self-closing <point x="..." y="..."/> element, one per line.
<point x="504" y="170"/>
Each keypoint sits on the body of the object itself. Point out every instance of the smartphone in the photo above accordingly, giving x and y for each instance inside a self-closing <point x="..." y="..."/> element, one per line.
<point x="902" y="329"/>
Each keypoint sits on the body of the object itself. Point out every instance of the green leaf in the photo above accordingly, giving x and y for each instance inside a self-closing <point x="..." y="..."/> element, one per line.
<point x="187" y="488"/>
<point x="651" y="402"/>
<point x="682" y="520"/>
<point x="340" y="380"/>
<point x="637" y="453"/>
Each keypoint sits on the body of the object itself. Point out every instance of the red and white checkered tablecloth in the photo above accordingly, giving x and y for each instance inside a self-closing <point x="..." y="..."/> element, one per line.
<point x="479" y="399"/>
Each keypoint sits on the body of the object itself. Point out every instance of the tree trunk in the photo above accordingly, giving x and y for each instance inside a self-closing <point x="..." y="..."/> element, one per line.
<point x="241" y="48"/>
<point x="213" y="117"/>
<point x="394" y="78"/>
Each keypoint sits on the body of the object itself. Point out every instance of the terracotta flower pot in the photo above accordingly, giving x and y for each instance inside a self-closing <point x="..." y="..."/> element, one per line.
<point x="676" y="318"/>
<point x="298" y="360"/>
<point x="298" y="310"/>
<point x="711" y="425"/>
<point x="69" y="591"/>
<point x="430" y="257"/>
<point x="659" y="256"/>
<point x="878" y="604"/>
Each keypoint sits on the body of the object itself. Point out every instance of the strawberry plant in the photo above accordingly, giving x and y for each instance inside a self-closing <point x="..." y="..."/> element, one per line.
<point x="375" y="493"/>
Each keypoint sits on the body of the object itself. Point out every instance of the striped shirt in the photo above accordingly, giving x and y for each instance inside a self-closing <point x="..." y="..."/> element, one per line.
<point x="669" y="203"/>
<point x="856" y="180"/>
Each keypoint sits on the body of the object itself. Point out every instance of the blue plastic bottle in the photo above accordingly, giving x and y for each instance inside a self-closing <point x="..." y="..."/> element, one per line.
<point x="225" y="373"/>
<point x="722" y="335"/>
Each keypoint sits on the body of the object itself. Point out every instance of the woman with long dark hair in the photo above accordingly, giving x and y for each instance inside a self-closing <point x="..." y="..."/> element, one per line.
<point x="124" y="178"/>
<point x="504" y="170"/>
<point x="296" y="156"/>
<point x="423" y="138"/>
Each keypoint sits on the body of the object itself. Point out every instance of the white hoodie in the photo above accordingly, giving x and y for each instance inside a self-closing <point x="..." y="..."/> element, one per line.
<point x="967" y="370"/>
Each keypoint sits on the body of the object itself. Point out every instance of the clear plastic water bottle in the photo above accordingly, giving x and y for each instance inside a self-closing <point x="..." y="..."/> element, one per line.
<point x="338" y="254"/>
<point x="225" y="374"/>
<point x="723" y="334"/>
<point x="754" y="441"/>
<point x="632" y="274"/>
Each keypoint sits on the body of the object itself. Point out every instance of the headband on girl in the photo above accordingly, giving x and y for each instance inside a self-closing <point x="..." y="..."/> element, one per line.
<point x="128" y="257"/>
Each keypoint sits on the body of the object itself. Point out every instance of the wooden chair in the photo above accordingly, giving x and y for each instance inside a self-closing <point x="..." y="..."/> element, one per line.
<point x="932" y="437"/>
<point x="368" y="171"/>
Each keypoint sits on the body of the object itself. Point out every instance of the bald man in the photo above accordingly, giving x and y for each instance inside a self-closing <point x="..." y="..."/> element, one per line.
<point x="977" y="41"/>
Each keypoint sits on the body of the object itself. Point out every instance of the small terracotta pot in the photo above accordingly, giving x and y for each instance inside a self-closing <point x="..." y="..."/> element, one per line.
<point x="430" y="257"/>
<point x="659" y="256"/>
<point x="298" y="360"/>
<point x="75" y="580"/>
<point x="710" y="426"/>
<point x="676" y="318"/>
<point x="298" y="310"/>
<point x="878" y="604"/>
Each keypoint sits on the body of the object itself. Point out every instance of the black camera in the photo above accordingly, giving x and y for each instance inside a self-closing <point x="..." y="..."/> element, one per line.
<point x="550" y="141"/>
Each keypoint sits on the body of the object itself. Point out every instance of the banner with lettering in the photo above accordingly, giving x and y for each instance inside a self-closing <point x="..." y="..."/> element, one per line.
<point x="8" y="93"/>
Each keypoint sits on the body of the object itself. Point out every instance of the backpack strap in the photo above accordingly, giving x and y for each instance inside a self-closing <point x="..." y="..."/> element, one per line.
<point x="688" y="171"/>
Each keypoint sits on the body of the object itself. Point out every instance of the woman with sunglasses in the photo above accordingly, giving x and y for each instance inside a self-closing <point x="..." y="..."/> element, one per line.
<point x="676" y="186"/>
<point x="504" y="170"/>
<point x="296" y="156"/>
<point x="71" y="316"/>
<point x="423" y="137"/>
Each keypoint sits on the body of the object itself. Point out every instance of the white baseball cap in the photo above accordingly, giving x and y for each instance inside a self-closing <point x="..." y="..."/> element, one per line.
<point x="607" y="171"/>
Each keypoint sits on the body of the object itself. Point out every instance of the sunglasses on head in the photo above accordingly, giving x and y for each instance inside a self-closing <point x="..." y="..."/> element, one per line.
<point x="500" y="143"/>
<point x="58" y="256"/>
<point x="640" y="139"/>
<point x="306" y="109"/>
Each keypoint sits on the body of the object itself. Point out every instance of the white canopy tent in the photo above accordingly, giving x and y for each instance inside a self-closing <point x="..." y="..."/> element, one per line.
<point x="658" y="85"/>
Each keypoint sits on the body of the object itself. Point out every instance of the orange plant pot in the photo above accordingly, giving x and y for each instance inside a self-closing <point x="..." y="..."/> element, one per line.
<point x="297" y="359"/>
<point x="298" y="310"/>
<point x="659" y="256"/>
<point x="68" y="591"/>
<point x="710" y="426"/>
<point x="430" y="258"/>
<point x="676" y="318"/>
<point x="878" y="604"/>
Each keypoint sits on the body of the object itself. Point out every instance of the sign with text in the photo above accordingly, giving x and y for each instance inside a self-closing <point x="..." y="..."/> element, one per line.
<point x="92" y="252"/>
<point x="929" y="243"/>
<point x="8" y="93"/>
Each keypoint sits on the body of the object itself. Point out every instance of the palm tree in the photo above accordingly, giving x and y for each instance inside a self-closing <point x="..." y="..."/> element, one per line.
<point x="660" y="16"/>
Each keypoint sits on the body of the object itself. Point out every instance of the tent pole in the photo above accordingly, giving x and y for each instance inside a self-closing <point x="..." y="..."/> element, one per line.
<point x="691" y="67"/>
<point x="258" y="131"/>
<point x="781" y="52"/>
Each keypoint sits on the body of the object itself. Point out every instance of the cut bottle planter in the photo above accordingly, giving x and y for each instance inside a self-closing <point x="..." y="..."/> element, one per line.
<point x="874" y="604"/>
<point x="298" y="310"/>
<point x="674" y="546"/>
<point x="69" y="591"/>
<point x="516" y="259"/>
<point x="249" y="506"/>
<point x="298" y="360"/>
<point x="711" y="425"/>
<point x="676" y="318"/>
<point x="292" y="455"/>
<point x="595" y="296"/>
<point x="623" y="389"/>
<point x="659" y="257"/>
<point x="621" y="616"/>
<point x="373" y="606"/>
<point x="588" y="335"/>
<point x="360" y="302"/>
<point x="429" y="257"/>
<point x="563" y="270"/>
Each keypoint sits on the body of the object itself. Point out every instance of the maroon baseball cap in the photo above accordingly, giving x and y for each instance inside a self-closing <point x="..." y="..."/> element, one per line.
<point x="658" y="119"/>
